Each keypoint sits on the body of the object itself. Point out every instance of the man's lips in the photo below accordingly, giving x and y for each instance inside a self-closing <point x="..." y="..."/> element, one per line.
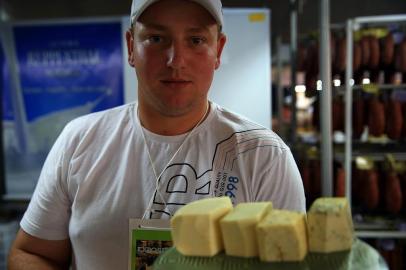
<point x="176" y="82"/>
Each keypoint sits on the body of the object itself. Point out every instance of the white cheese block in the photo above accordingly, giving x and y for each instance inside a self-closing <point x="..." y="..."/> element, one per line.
<point x="330" y="226"/>
<point x="196" y="226"/>
<point x="282" y="236"/>
<point x="238" y="228"/>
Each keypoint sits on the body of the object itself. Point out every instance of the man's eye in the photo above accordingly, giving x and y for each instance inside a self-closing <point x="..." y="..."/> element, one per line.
<point x="198" y="40"/>
<point x="155" y="39"/>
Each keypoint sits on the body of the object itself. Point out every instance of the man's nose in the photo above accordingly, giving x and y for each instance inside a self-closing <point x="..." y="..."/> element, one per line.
<point x="176" y="55"/>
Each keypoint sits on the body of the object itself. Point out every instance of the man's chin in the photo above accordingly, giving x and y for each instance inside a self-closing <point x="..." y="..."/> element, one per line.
<point x="175" y="109"/>
<point x="174" y="112"/>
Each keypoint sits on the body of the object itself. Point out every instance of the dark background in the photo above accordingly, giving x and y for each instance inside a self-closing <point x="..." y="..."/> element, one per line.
<point x="340" y="10"/>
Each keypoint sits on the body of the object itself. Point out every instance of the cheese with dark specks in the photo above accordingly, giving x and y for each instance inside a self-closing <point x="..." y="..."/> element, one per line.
<point x="330" y="226"/>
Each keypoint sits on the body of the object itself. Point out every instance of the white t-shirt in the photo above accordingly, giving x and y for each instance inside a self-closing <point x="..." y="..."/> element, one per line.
<point x="98" y="175"/>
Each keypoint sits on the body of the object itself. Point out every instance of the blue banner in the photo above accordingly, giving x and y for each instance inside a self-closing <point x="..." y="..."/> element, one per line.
<point x="66" y="66"/>
<point x="63" y="71"/>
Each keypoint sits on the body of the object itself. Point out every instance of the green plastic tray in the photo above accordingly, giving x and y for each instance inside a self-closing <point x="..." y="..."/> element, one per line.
<point x="361" y="256"/>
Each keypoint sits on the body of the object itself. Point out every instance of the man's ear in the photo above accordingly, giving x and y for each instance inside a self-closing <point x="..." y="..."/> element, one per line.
<point x="221" y="42"/>
<point x="130" y="47"/>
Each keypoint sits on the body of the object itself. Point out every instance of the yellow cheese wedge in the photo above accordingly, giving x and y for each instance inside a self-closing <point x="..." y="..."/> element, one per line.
<point x="330" y="226"/>
<point x="196" y="226"/>
<point x="282" y="236"/>
<point x="238" y="228"/>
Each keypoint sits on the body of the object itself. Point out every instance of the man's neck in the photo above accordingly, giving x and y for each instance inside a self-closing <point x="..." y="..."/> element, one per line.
<point x="171" y="125"/>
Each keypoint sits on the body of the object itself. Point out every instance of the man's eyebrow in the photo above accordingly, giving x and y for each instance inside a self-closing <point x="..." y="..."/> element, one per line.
<point x="154" y="26"/>
<point x="198" y="29"/>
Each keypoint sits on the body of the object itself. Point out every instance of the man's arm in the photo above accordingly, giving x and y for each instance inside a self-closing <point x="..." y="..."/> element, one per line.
<point x="29" y="252"/>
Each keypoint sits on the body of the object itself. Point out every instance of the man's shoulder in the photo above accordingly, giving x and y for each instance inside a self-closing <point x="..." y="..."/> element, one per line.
<point x="105" y="118"/>
<point x="106" y="115"/>
<point x="242" y="128"/>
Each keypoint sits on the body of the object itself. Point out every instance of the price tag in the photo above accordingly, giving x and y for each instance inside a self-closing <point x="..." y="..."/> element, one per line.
<point x="256" y="17"/>
<point x="398" y="166"/>
<point x="364" y="163"/>
<point x="313" y="152"/>
<point x="370" y="88"/>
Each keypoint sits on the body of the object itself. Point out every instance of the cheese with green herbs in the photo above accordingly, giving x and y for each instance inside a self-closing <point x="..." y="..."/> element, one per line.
<point x="196" y="226"/>
<point x="238" y="228"/>
<point x="330" y="226"/>
<point x="282" y="236"/>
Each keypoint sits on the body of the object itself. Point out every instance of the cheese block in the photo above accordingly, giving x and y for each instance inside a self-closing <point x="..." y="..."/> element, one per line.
<point x="238" y="228"/>
<point x="196" y="226"/>
<point x="282" y="236"/>
<point x="330" y="225"/>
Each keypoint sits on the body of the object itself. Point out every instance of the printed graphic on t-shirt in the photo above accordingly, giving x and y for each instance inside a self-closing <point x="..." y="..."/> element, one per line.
<point x="221" y="178"/>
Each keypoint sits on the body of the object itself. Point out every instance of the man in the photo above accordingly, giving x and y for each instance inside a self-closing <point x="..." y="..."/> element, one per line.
<point x="147" y="159"/>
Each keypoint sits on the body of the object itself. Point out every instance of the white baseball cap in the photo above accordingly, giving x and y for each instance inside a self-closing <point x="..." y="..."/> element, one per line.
<point x="212" y="6"/>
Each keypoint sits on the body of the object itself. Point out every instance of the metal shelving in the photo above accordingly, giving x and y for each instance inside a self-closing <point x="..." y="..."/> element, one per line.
<point x="380" y="234"/>
<point x="351" y="26"/>
<point x="380" y="86"/>
<point x="373" y="156"/>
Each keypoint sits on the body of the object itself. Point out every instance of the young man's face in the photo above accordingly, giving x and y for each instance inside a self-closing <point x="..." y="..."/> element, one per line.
<point x="175" y="50"/>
